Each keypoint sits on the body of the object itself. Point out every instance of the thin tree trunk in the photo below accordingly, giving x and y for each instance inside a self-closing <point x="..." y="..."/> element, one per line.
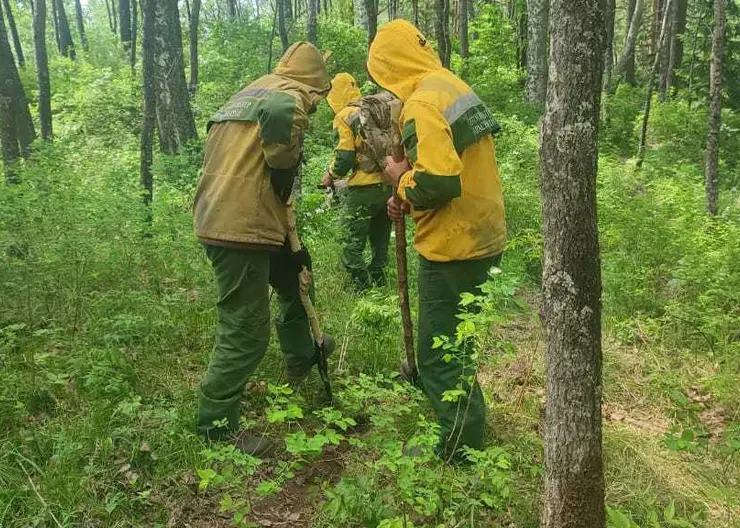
<point x="56" y="24"/>
<point x="415" y="11"/>
<point x="665" y="51"/>
<point x="80" y="24"/>
<point x="313" y="6"/>
<point x="611" y="9"/>
<point x="715" y="108"/>
<point x="110" y="18"/>
<point x="464" y="45"/>
<point x="115" y="16"/>
<point x="187" y="10"/>
<point x="272" y="37"/>
<point x="282" y="29"/>
<point x="14" y="33"/>
<point x="16" y="126"/>
<point x="626" y="64"/>
<point x="571" y="279"/>
<point x="651" y="87"/>
<point x="371" y="9"/>
<point x="194" y="24"/>
<point x="149" y="12"/>
<point x="442" y="30"/>
<point x="232" y="8"/>
<point x="124" y="8"/>
<point x="66" y="44"/>
<point x="174" y="116"/>
<point x="538" y="24"/>
<point x="134" y="32"/>
<point x="42" y="68"/>
<point x="676" y="54"/>
<point x="257" y="8"/>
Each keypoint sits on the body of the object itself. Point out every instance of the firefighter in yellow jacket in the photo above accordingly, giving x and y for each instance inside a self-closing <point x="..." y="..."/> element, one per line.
<point x="252" y="153"/>
<point x="367" y="191"/>
<point x="450" y="184"/>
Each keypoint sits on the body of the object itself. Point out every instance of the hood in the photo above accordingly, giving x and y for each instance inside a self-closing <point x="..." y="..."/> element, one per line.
<point x="399" y="57"/>
<point x="304" y="64"/>
<point x="344" y="91"/>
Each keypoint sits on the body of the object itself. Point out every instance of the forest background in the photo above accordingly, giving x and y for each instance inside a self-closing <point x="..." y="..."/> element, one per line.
<point x="107" y="303"/>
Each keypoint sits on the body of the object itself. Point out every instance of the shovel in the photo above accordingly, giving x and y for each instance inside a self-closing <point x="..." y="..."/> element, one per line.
<point x="304" y="285"/>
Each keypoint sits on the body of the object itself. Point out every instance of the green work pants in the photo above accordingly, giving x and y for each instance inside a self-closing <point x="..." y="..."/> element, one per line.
<point x="365" y="217"/>
<point x="243" y="329"/>
<point x="440" y="286"/>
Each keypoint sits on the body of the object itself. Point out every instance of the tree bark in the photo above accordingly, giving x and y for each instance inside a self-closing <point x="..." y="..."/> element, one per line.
<point x="360" y="13"/>
<point x="313" y="8"/>
<point x="56" y="25"/>
<point x="626" y="64"/>
<point x="651" y="86"/>
<point x="110" y="17"/>
<point x="282" y="28"/>
<point x="442" y="26"/>
<point x="66" y="44"/>
<point x="371" y="11"/>
<point x="415" y="11"/>
<point x="174" y="116"/>
<point x="676" y="53"/>
<point x="665" y="50"/>
<point x="194" y="25"/>
<point x="538" y="24"/>
<point x="134" y="32"/>
<point x="149" y="12"/>
<point x="464" y="44"/>
<point x="14" y="33"/>
<point x="715" y="108"/>
<point x="231" y="4"/>
<point x="124" y="8"/>
<point x="571" y="281"/>
<point x="81" y="24"/>
<point x="611" y="9"/>
<point x="42" y="68"/>
<point x="115" y="16"/>
<point x="16" y="126"/>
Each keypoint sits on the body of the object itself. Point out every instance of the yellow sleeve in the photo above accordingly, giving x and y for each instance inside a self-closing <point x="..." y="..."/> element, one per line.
<point x="427" y="139"/>
<point x="344" y="147"/>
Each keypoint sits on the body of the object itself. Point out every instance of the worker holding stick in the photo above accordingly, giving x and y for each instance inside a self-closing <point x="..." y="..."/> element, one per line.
<point x="450" y="185"/>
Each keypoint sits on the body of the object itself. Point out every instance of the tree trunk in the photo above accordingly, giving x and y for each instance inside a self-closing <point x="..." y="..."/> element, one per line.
<point x="124" y="8"/>
<point x="313" y="8"/>
<point x="651" y="86"/>
<point x="282" y="29"/>
<point x="611" y="9"/>
<point x="676" y="53"/>
<point x="110" y="18"/>
<point x="115" y="16"/>
<point x="81" y="24"/>
<point x="149" y="12"/>
<point x="626" y="64"/>
<point x="415" y="11"/>
<point x="371" y="11"/>
<point x="42" y="68"/>
<point x="360" y="13"/>
<point x="14" y="33"/>
<point x="665" y="50"/>
<point x="66" y="43"/>
<point x="232" y="8"/>
<point x="464" y="46"/>
<point x="194" y="23"/>
<point x="715" y="107"/>
<point x="571" y="278"/>
<point x="442" y="26"/>
<point x="56" y="25"/>
<point x="174" y="116"/>
<point x="538" y="17"/>
<point x="134" y="32"/>
<point x="16" y="126"/>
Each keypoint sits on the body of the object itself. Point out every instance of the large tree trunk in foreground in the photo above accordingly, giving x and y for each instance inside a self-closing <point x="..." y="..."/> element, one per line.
<point x="538" y="24"/>
<point x="442" y="26"/>
<point x="16" y="126"/>
<point x="571" y="281"/>
<point x="194" y="24"/>
<point x="715" y="107"/>
<point x="66" y="44"/>
<point x="14" y="33"/>
<point x="149" y="12"/>
<point x="80" y="24"/>
<point x="42" y="67"/>
<point x="174" y="116"/>
<point x="626" y="64"/>
<point x="124" y="8"/>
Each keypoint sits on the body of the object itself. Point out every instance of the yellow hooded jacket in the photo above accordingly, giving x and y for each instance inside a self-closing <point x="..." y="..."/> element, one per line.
<point x="260" y="128"/>
<point x="454" y="186"/>
<point x="348" y="143"/>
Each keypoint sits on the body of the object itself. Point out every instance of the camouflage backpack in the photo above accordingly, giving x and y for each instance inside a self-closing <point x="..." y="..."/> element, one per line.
<point x="379" y="115"/>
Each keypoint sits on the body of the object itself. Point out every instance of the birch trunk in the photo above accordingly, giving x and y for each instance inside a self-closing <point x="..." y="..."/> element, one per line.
<point x="538" y="23"/>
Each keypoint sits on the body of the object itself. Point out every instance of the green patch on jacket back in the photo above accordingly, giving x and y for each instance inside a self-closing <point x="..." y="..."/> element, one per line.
<point x="272" y="109"/>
